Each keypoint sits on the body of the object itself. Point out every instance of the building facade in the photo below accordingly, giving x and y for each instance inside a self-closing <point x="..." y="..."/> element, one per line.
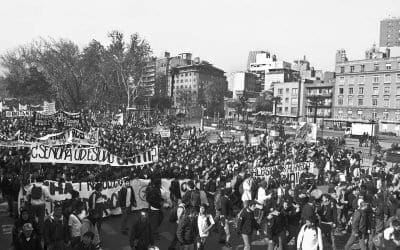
<point x="318" y="101"/>
<point x="367" y="89"/>
<point x="192" y="84"/>
<point x="244" y="84"/>
<point x="291" y="97"/>
<point x="389" y="33"/>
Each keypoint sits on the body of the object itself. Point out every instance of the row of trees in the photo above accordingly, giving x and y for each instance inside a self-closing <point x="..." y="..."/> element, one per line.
<point x="97" y="76"/>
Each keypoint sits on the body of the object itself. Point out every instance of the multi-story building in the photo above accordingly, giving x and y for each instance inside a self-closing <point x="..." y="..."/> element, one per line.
<point x="368" y="88"/>
<point x="244" y="84"/>
<point x="318" y="100"/>
<point x="253" y="57"/>
<point x="291" y="97"/>
<point x="390" y="33"/>
<point x="270" y="70"/>
<point x="191" y="83"/>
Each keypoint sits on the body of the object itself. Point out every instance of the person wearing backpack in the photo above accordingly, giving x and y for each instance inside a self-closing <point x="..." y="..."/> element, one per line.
<point x="187" y="231"/>
<point x="310" y="237"/>
<point x="205" y="222"/>
<point x="37" y="196"/>
<point x="154" y="198"/>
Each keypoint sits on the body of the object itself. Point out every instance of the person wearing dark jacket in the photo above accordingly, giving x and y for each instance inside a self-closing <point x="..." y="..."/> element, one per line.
<point x="358" y="227"/>
<point x="328" y="215"/>
<point x="247" y="224"/>
<point x="18" y="226"/>
<point x="127" y="200"/>
<point x="141" y="234"/>
<point x="153" y="197"/>
<point x="224" y="212"/>
<point x="187" y="231"/>
<point x="28" y="240"/>
<point x="56" y="231"/>
<point x="86" y="243"/>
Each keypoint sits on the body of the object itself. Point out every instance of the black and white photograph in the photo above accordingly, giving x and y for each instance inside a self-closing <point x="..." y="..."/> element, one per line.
<point x="200" y="125"/>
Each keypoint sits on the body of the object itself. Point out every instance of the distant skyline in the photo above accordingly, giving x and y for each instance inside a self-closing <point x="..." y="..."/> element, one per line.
<point x="219" y="31"/>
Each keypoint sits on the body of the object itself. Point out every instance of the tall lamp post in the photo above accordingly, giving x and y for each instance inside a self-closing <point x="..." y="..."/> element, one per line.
<point x="372" y="121"/>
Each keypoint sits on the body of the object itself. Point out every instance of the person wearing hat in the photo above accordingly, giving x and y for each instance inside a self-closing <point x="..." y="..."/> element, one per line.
<point x="28" y="239"/>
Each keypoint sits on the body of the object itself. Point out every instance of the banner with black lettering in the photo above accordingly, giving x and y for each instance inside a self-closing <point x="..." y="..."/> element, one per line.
<point x="59" y="118"/>
<point x="15" y="114"/>
<point x="60" y="192"/>
<point x="290" y="172"/>
<point x="41" y="153"/>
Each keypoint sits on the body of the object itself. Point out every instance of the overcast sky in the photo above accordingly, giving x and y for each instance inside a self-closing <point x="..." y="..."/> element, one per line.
<point x="219" y="31"/>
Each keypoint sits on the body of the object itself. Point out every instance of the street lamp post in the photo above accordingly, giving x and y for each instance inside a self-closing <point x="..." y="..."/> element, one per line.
<point x="372" y="132"/>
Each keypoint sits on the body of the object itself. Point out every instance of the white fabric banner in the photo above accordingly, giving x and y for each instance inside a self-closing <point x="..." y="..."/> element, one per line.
<point x="291" y="172"/>
<point x="59" y="192"/>
<point x="41" y="153"/>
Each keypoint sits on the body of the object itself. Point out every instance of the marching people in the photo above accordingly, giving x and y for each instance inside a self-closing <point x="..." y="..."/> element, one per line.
<point x="155" y="200"/>
<point x="126" y="200"/>
<point x="310" y="236"/>
<point x="97" y="203"/>
<point x="56" y="232"/>
<point x="86" y="243"/>
<point x="75" y="225"/>
<point x="28" y="239"/>
<point x="37" y="196"/>
<point x="141" y="237"/>
<point x="205" y="222"/>
<point x="23" y="219"/>
<point x="187" y="232"/>
<point x="89" y="224"/>
<point x="247" y="224"/>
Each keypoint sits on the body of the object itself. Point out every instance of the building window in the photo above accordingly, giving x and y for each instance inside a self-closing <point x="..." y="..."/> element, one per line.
<point x="387" y="78"/>
<point x="397" y="116"/>
<point x="361" y="79"/>
<point x="360" y="102"/>
<point x="386" y="102"/>
<point x="362" y="68"/>
<point x="398" y="77"/>
<point x="342" y="69"/>
<point x="287" y="90"/>
<point x="340" y="101"/>
<point x="351" y="69"/>
<point x="374" y="115"/>
<point x="293" y="111"/>
<point x="286" y="109"/>
<point x="340" y="91"/>
<point x="375" y="91"/>
<point x="350" y="91"/>
<point x="397" y="103"/>
<point x="294" y="91"/>
<point x="286" y="100"/>
<point x="374" y="102"/>
<point x="341" y="80"/>
<point x="376" y="79"/>
<point x="386" y="91"/>
<point x="294" y="101"/>
<point x="376" y="66"/>
<point x="361" y="90"/>
<point x="397" y="90"/>
<point x="385" y="115"/>
<point x="388" y="66"/>
<point x="350" y="101"/>
<point x="280" y="91"/>
<point x="351" y="80"/>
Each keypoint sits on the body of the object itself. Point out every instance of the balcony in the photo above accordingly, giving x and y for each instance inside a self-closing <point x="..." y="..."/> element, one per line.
<point x="327" y="95"/>
<point x="320" y="115"/>
<point x="319" y="105"/>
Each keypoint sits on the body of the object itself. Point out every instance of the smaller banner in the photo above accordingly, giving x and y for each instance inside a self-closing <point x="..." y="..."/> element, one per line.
<point x="307" y="132"/>
<point x="165" y="133"/>
<point x="290" y="172"/>
<point x="15" y="114"/>
<point x="76" y="136"/>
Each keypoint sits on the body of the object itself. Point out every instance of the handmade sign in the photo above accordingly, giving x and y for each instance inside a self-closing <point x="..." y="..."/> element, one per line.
<point x="60" y="117"/>
<point x="290" y="172"/>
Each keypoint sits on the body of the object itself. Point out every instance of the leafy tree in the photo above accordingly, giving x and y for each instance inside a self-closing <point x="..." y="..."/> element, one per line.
<point x="263" y="103"/>
<point x="160" y="103"/>
<point x="214" y="98"/>
<point x="185" y="99"/>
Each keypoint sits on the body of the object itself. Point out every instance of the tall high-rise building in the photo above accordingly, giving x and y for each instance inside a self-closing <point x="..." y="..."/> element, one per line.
<point x="390" y="32"/>
<point x="253" y="57"/>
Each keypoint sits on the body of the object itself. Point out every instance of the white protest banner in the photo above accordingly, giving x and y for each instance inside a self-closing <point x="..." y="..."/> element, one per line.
<point x="59" y="192"/>
<point x="41" y="153"/>
<point x="14" y="114"/>
<point x="53" y="137"/>
<point x="290" y="172"/>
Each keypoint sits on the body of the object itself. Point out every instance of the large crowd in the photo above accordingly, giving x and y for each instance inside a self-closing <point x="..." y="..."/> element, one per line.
<point x="223" y="195"/>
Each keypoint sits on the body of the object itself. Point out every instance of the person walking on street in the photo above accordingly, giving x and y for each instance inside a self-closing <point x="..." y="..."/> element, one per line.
<point x="127" y="200"/>
<point x="89" y="224"/>
<point x="310" y="237"/>
<point x="247" y="223"/>
<point x="141" y="237"/>
<point x="187" y="231"/>
<point x="205" y="222"/>
<point x="358" y="224"/>
<point x="56" y="232"/>
<point x="28" y="239"/>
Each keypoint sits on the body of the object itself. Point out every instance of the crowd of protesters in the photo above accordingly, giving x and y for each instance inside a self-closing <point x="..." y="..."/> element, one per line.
<point x="223" y="194"/>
